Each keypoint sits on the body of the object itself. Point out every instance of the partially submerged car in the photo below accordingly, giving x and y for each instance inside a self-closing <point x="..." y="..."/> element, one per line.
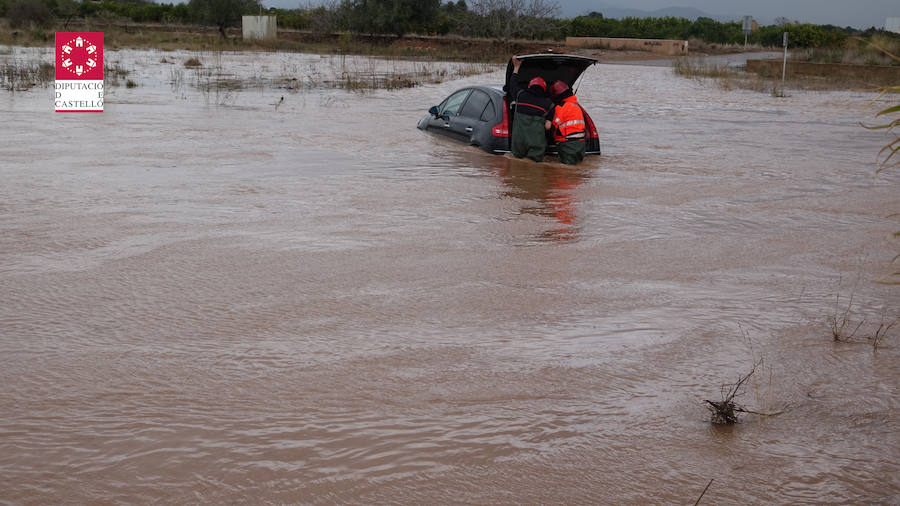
<point x="483" y="115"/>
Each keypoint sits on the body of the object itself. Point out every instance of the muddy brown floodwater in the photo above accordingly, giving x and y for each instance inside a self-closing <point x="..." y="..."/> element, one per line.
<point x="319" y="303"/>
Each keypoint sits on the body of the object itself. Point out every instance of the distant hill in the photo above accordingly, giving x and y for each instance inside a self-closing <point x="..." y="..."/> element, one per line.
<point x="582" y="7"/>
<point x="687" y="13"/>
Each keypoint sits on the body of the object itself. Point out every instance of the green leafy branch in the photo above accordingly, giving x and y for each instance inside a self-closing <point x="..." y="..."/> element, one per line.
<point x="887" y="156"/>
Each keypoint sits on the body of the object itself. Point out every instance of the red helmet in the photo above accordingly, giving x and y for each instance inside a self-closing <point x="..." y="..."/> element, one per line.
<point x="538" y="81"/>
<point x="558" y="88"/>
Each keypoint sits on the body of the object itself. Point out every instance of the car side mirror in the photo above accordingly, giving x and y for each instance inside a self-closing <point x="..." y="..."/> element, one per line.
<point x="433" y="111"/>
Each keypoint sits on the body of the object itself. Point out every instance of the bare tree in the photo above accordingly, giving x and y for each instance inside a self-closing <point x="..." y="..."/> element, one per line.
<point x="222" y="13"/>
<point x="325" y="16"/>
<point x="782" y="21"/>
<point x="66" y="9"/>
<point x="506" y="19"/>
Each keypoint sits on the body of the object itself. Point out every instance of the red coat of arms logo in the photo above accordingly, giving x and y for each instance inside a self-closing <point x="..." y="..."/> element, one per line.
<point x="79" y="72"/>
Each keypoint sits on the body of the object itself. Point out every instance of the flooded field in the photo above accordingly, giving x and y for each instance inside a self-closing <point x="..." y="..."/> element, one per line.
<point x="243" y="299"/>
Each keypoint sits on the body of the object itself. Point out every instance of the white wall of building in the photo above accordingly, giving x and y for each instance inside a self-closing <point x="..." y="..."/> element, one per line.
<point x="259" y="27"/>
<point x="892" y="25"/>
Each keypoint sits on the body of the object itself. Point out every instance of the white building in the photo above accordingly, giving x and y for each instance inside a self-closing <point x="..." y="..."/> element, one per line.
<point x="892" y="25"/>
<point x="259" y="27"/>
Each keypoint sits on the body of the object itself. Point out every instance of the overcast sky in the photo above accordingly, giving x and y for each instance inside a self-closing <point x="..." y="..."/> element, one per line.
<point x="855" y="13"/>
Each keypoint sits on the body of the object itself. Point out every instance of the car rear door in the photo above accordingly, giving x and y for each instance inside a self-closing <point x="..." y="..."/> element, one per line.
<point x="551" y="67"/>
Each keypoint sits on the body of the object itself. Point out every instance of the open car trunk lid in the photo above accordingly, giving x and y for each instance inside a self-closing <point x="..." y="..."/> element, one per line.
<point x="552" y="67"/>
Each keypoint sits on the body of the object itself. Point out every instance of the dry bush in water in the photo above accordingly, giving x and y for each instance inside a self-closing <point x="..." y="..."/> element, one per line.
<point x="726" y="411"/>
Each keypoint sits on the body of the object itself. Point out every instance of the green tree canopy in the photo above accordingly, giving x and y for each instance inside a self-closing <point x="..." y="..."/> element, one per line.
<point x="23" y="12"/>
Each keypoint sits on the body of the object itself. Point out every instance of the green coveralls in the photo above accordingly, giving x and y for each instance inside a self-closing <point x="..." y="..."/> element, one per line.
<point x="571" y="152"/>
<point x="528" y="137"/>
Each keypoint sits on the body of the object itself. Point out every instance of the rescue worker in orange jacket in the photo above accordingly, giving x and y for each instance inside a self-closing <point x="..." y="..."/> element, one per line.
<point x="568" y="124"/>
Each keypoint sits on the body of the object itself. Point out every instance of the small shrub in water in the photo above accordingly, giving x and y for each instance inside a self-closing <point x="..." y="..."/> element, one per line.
<point x="726" y="411"/>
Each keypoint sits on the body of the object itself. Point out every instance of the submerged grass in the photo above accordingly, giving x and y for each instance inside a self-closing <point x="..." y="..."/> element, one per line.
<point x="844" y="325"/>
<point x="698" y="46"/>
<point x="725" y="77"/>
<point x="218" y="84"/>
<point x="839" y="322"/>
<point x="881" y="332"/>
<point x="729" y="78"/>
<point x="697" y="68"/>
<point x="17" y="75"/>
<point x="212" y="77"/>
<point x="113" y="71"/>
<point x="855" y="51"/>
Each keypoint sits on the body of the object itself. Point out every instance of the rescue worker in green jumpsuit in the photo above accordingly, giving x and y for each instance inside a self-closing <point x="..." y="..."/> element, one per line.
<point x="533" y="110"/>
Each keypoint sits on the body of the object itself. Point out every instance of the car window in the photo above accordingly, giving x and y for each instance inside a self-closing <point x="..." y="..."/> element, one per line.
<point x="475" y="105"/>
<point x="454" y="102"/>
<point x="488" y="113"/>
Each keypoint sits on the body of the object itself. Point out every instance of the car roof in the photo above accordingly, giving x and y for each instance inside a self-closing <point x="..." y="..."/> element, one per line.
<point x="495" y="89"/>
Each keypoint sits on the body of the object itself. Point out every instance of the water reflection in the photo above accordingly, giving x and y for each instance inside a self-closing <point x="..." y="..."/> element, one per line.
<point x="545" y="189"/>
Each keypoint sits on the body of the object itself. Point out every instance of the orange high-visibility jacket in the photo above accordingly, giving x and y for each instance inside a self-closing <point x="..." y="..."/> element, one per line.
<point x="568" y="121"/>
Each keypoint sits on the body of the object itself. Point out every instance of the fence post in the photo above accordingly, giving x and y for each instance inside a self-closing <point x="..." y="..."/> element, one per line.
<point x="784" y="63"/>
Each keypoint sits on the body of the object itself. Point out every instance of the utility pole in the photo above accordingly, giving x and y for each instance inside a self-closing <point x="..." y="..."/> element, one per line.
<point x="784" y="62"/>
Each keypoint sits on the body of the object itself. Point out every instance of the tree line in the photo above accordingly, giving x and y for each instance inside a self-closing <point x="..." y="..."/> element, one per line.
<point x="501" y="19"/>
